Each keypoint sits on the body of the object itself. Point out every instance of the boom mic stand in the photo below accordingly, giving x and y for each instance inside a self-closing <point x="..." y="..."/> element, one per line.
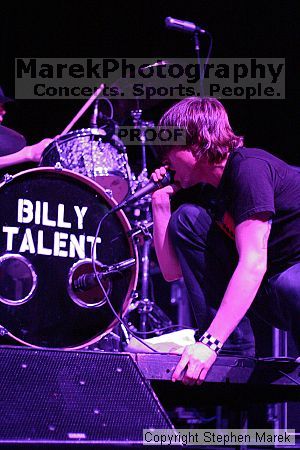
<point x="151" y="317"/>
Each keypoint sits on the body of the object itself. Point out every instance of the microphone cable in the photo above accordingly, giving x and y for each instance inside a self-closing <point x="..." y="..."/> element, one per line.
<point x="93" y="258"/>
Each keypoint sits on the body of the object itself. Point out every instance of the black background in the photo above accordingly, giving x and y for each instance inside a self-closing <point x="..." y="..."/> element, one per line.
<point x="240" y="28"/>
<point x="132" y="29"/>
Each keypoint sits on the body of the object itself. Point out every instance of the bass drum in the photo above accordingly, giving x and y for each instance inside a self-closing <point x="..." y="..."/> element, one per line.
<point x="89" y="152"/>
<point x="48" y="224"/>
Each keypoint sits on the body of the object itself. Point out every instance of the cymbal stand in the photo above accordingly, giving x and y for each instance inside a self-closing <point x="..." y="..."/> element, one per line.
<point x="142" y="125"/>
<point x="150" y="315"/>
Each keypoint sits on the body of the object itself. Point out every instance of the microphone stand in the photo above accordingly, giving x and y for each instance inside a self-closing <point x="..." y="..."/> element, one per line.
<point x="197" y="50"/>
<point x="150" y="315"/>
<point x="138" y="123"/>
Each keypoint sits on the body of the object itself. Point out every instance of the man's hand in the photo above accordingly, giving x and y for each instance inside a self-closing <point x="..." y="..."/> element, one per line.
<point x="34" y="152"/>
<point x="194" y="364"/>
<point x="165" y="193"/>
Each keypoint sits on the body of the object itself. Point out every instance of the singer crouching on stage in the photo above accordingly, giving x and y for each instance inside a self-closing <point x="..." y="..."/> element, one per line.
<point x="243" y="250"/>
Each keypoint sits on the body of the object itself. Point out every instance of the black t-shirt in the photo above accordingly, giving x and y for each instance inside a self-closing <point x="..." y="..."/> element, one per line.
<point x="255" y="181"/>
<point x="201" y="194"/>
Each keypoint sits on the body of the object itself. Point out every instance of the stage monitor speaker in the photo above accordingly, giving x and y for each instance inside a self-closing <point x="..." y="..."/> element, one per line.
<point x="60" y="397"/>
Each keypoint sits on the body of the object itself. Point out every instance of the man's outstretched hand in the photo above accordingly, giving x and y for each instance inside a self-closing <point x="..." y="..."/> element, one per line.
<point x="34" y="152"/>
<point x="194" y="364"/>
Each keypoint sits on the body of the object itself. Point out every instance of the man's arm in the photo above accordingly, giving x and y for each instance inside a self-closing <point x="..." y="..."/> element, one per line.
<point x="251" y="242"/>
<point x="31" y="153"/>
<point x="161" y="209"/>
<point x="167" y="258"/>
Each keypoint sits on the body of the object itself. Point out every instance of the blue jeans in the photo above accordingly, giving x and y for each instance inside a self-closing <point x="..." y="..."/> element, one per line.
<point x="278" y="301"/>
<point x="208" y="259"/>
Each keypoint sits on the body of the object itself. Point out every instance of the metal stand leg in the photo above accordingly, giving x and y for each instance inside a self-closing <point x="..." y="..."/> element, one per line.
<point x="278" y="411"/>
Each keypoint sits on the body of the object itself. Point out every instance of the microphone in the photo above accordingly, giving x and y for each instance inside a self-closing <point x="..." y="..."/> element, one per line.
<point x="93" y="122"/>
<point x="89" y="280"/>
<point x="150" y="187"/>
<point x="182" y="25"/>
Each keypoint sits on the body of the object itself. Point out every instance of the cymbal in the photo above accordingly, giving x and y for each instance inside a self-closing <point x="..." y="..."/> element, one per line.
<point x="10" y="141"/>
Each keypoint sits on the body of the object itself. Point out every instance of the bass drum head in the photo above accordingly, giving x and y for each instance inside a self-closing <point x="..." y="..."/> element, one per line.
<point x="48" y="225"/>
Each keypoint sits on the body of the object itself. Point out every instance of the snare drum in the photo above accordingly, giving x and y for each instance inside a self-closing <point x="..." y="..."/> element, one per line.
<point x="89" y="152"/>
<point x="48" y="223"/>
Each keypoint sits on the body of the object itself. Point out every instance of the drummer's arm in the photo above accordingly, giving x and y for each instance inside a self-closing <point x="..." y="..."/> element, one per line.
<point x="20" y="157"/>
<point x="167" y="258"/>
<point x="31" y="153"/>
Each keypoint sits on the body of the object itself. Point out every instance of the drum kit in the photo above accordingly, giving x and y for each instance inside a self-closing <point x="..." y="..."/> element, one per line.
<point x="48" y="293"/>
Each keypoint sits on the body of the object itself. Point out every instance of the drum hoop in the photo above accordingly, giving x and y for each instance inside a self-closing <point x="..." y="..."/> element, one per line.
<point x="83" y="132"/>
<point x="124" y="222"/>
<point x="89" y="181"/>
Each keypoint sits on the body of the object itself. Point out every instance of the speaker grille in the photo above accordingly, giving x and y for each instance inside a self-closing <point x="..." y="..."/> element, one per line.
<point x="55" y="395"/>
